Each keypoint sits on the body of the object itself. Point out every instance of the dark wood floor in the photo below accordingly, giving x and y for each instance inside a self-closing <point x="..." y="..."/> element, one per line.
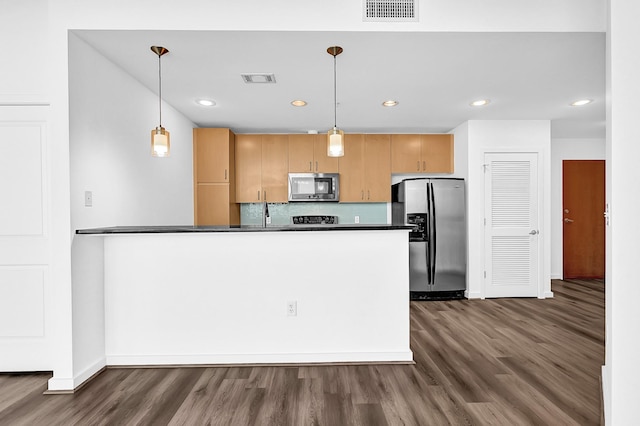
<point x="478" y="362"/>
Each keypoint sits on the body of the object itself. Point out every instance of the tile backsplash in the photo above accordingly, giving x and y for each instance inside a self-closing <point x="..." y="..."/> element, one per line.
<point x="280" y="213"/>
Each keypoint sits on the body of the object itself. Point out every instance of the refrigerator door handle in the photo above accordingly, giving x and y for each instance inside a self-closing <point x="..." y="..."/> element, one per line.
<point x="432" y="234"/>
<point x="427" y="232"/>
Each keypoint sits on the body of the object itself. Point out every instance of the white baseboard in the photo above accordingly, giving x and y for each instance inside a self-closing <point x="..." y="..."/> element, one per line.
<point x="89" y="372"/>
<point x="605" y="393"/>
<point x="548" y="294"/>
<point x="57" y="384"/>
<point x="556" y="276"/>
<point x="288" y="358"/>
<point x="69" y="385"/>
<point x="474" y="295"/>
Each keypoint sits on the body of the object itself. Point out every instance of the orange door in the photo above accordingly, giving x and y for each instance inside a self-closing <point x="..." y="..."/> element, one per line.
<point x="583" y="200"/>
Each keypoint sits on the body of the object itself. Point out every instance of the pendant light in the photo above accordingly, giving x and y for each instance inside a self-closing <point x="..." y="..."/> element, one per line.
<point x="160" y="143"/>
<point x="335" y="136"/>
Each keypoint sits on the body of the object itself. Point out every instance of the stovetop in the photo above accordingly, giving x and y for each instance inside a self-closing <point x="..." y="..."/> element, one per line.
<point x="314" y="220"/>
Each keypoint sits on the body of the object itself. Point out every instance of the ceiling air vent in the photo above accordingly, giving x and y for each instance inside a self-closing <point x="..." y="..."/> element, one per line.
<point x="390" y="10"/>
<point x="258" y="78"/>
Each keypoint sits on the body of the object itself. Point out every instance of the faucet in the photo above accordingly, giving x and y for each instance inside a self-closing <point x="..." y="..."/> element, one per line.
<point x="265" y="214"/>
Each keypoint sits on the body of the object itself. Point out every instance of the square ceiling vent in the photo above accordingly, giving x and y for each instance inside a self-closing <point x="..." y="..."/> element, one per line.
<point x="258" y="78"/>
<point x="390" y="10"/>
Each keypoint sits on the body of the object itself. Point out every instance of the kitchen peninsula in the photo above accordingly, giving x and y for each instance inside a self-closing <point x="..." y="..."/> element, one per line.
<point x="247" y="294"/>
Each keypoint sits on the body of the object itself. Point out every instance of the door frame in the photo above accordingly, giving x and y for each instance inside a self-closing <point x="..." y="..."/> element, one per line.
<point x="543" y="199"/>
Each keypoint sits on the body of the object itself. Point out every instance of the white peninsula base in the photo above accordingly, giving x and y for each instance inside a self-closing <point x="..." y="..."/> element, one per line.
<point x="146" y="296"/>
<point x="220" y="298"/>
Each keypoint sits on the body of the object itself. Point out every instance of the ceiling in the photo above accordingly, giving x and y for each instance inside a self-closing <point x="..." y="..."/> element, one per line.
<point x="433" y="76"/>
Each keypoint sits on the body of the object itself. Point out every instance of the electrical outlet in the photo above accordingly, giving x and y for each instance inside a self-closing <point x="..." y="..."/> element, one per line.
<point x="357" y="219"/>
<point x="292" y="308"/>
<point x="88" y="198"/>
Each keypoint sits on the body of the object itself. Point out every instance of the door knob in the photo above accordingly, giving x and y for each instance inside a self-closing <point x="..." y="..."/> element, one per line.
<point x="533" y="232"/>
<point x="567" y="220"/>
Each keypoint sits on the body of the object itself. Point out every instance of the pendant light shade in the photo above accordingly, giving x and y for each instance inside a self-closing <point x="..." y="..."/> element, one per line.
<point x="335" y="144"/>
<point x="335" y="136"/>
<point x="160" y="142"/>
<point x="160" y="138"/>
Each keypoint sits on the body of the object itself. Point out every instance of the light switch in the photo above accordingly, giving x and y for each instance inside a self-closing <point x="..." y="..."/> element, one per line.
<point x="88" y="198"/>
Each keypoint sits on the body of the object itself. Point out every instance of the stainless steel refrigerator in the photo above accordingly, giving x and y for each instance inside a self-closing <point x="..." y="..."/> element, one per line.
<point x="437" y="245"/>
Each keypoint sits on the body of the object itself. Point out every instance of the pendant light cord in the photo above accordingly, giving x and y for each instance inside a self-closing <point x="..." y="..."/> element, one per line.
<point x="335" y="96"/>
<point x="160" y="87"/>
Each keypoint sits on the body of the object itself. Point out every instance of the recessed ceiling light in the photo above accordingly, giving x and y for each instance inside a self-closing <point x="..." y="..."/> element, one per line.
<point x="581" y="102"/>
<point x="205" y="102"/>
<point x="390" y="103"/>
<point x="298" y="103"/>
<point x="480" y="102"/>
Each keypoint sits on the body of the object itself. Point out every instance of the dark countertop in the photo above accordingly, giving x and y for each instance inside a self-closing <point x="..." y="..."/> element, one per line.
<point x="235" y="228"/>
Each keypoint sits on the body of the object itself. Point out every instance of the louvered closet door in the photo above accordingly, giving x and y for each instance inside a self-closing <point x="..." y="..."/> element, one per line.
<point x="511" y="229"/>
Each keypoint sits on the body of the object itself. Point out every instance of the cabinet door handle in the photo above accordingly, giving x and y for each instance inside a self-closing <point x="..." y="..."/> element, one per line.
<point x="424" y="166"/>
<point x="316" y="166"/>
<point x="362" y="194"/>
<point x="368" y="194"/>
<point x="258" y="195"/>
<point x="265" y="195"/>
<point x="225" y="174"/>
<point x="418" y="165"/>
<point x="310" y="167"/>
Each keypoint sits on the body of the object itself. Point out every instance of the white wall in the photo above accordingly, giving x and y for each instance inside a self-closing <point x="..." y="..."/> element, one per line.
<point x="505" y="136"/>
<point x="111" y="118"/>
<point x="435" y="15"/>
<point x="621" y="374"/>
<point x="23" y="30"/>
<point x="27" y="330"/>
<point x="566" y="149"/>
<point x="87" y="273"/>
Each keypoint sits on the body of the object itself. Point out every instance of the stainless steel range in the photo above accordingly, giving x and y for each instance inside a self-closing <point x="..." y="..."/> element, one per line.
<point x="314" y="220"/>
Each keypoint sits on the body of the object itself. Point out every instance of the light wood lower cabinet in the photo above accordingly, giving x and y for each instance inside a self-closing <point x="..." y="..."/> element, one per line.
<point x="214" y="205"/>
<point x="214" y="177"/>
<point x="422" y="153"/>
<point x="262" y="164"/>
<point x="365" y="170"/>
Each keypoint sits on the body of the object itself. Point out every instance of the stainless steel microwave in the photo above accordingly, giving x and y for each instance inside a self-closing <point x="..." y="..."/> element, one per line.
<point x="314" y="187"/>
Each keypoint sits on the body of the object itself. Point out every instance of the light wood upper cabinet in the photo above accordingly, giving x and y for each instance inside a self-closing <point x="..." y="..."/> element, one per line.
<point x="422" y="153"/>
<point x="406" y="154"/>
<point x="262" y="163"/>
<point x="256" y="166"/>
<point x="249" y="168"/>
<point x="352" y="169"/>
<point x="308" y="154"/>
<point x="214" y="177"/>
<point x="365" y="169"/>
<point x="377" y="170"/>
<point x="275" y="168"/>
<point x="301" y="148"/>
<point x="323" y="163"/>
<point x="213" y="154"/>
